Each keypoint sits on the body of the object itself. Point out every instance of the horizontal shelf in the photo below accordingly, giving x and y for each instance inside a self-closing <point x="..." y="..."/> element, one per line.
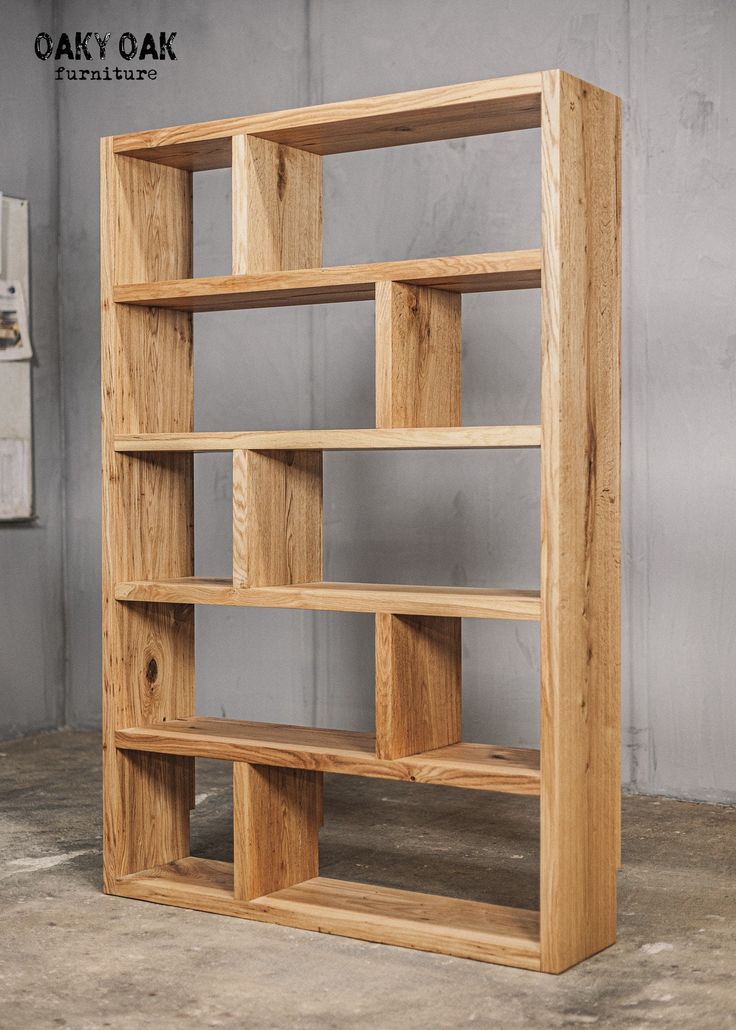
<point x="470" y="273"/>
<point x="474" y="766"/>
<point x="443" y="112"/>
<point x="463" y="602"/>
<point x="336" y="439"/>
<point x="448" y="926"/>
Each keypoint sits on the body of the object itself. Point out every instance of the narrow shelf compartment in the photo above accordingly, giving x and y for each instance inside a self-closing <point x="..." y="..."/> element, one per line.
<point x="462" y="602"/>
<point x="336" y="439"/>
<point x="443" y="112"/>
<point x="474" y="766"/>
<point x="448" y="926"/>
<point x="471" y="273"/>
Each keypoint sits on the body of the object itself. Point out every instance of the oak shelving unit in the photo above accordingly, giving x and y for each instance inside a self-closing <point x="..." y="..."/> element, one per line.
<point x="151" y="731"/>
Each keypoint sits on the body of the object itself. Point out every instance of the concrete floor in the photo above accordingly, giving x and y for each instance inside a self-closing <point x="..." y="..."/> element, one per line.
<point x="72" y="957"/>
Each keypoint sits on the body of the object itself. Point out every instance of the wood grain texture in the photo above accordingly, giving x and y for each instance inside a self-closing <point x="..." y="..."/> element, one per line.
<point x="276" y="207"/>
<point x="580" y="736"/>
<point x="443" y="112"/>
<point x="418" y="684"/>
<point x="468" y="273"/>
<point x="276" y="818"/>
<point x="335" y="439"/>
<point x="277" y="518"/>
<point x="467" y="929"/>
<point x="418" y="356"/>
<point x="148" y="659"/>
<point x="463" y="602"/>
<point x="473" y="766"/>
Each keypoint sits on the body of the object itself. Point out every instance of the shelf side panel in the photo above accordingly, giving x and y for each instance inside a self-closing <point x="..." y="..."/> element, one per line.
<point x="148" y="650"/>
<point x="580" y="628"/>
<point x="276" y="207"/>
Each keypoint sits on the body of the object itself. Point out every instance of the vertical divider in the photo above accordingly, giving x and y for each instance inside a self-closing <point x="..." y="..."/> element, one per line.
<point x="418" y="356"/>
<point x="277" y="518"/>
<point x="276" y="818"/>
<point x="277" y="505"/>
<point x="418" y="383"/>
<point x="580" y="626"/>
<point x="276" y="207"/>
<point x="147" y="511"/>
<point x="418" y="683"/>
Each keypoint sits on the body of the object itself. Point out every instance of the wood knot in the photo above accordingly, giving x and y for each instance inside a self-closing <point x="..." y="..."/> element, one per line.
<point x="152" y="670"/>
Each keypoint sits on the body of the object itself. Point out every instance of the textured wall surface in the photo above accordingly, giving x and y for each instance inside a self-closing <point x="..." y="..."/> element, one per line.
<point x="441" y="518"/>
<point x="31" y="588"/>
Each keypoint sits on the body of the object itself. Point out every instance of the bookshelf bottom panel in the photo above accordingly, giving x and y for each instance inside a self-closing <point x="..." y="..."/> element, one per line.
<point x="426" y="922"/>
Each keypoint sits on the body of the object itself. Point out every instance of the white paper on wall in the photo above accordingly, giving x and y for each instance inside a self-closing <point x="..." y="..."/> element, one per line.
<point x="15" y="480"/>
<point x="15" y="339"/>
<point x="16" y="442"/>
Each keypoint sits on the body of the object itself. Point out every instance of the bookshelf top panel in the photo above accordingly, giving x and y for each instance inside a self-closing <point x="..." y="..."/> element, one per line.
<point x="443" y="112"/>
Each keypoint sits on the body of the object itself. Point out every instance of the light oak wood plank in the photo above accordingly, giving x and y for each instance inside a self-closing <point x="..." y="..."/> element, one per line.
<point x="276" y="814"/>
<point x="580" y="735"/>
<point x="471" y="766"/>
<point x="336" y="439"/>
<point x="277" y="518"/>
<point x="447" y="926"/>
<point x="462" y="602"/>
<point x="469" y="273"/>
<point x="443" y="112"/>
<point x="276" y="207"/>
<point x="148" y="651"/>
<point x="418" y="356"/>
<point x="418" y="684"/>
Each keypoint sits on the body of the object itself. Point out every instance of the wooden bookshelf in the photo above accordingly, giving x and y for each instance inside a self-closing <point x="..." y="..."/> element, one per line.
<point x="152" y="733"/>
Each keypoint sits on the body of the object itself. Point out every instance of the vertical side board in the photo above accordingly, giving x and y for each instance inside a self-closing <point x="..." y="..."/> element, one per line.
<point x="277" y="517"/>
<point x="418" y="683"/>
<point x="580" y="627"/>
<point x="147" y="510"/>
<point x="418" y="383"/>
<point x="276" y="207"/>
<point x="418" y="356"/>
<point x="276" y="819"/>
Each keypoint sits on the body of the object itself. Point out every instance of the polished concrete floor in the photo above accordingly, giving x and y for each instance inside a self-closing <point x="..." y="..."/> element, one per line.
<point x="72" y="957"/>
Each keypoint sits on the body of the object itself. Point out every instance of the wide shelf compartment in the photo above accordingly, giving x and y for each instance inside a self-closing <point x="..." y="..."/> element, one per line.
<point x="448" y="926"/>
<point x="474" y="766"/>
<point x="461" y="602"/>
<point x="443" y="112"/>
<point x="336" y="439"/>
<point x="470" y="273"/>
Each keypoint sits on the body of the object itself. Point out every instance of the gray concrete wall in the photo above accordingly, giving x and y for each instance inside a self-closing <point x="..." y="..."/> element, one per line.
<point x="440" y="518"/>
<point x="31" y="588"/>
